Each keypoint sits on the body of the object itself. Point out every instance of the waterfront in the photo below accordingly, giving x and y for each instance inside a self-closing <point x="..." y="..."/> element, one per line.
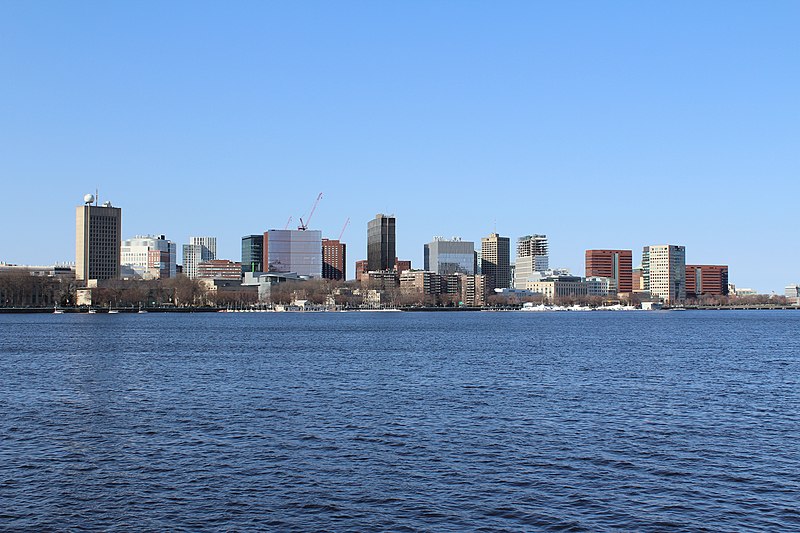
<point x="432" y="421"/>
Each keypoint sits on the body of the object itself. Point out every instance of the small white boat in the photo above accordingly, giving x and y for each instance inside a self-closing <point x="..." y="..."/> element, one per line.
<point x="58" y="311"/>
<point x="112" y="312"/>
<point x="92" y="311"/>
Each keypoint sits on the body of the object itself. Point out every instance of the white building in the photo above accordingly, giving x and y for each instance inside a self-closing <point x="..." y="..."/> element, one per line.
<point x="664" y="271"/>
<point x="552" y="288"/>
<point x="198" y="250"/>
<point x="531" y="258"/>
<point x="600" y="286"/>
<point x="148" y="257"/>
<point x="792" y="293"/>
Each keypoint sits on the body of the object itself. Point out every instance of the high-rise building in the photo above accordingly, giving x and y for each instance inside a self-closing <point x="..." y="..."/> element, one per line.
<point x="664" y="272"/>
<point x="531" y="258"/>
<point x="253" y="253"/>
<point x="334" y="259"/>
<point x="614" y="264"/>
<point x="290" y="250"/>
<point x="496" y="261"/>
<point x="149" y="257"/>
<point x="706" y="279"/>
<point x="449" y="256"/>
<point x="381" y="253"/>
<point x="98" y="236"/>
<point x="198" y="250"/>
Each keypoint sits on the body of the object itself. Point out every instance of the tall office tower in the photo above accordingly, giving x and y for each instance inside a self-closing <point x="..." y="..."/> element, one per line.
<point x="614" y="264"/>
<point x="447" y="257"/>
<point x="664" y="271"/>
<point x="706" y="279"/>
<point x="496" y="261"/>
<point x="149" y="257"/>
<point x="253" y="253"/>
<point x="381" y="252"/>
<point x="334" y="259"/>
<point x="198" y="250"/>
<point x="531" y="258"/>
<point x="98" y="235"/>
<point x="292" y="250"/>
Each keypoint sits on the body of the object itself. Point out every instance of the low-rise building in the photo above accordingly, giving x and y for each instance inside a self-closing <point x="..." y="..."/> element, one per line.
<point x="601" y="286"/>
<point x="556" y="287"/>
<point x="219" y="269"/>
<point x="421" y="281"/>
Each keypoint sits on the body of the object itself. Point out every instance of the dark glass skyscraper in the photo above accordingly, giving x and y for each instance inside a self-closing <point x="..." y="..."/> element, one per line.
<point x="381" y="253"/>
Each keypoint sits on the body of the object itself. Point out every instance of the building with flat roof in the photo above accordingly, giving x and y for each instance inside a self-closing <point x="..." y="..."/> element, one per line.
<point x="421" y="281"/>
<point x="452" y="256"/>
<point x="473" y="289"/>
<point x="361" y="269"/>
<point x="792" y="293"/>
<point x="253" y="253"/>
<point x="381" y="244"/>
<point x="334" y="259"/>
<point x="198" y="250"/>
<point x="614" y="264"/>
<point x="149" y="257"/>
<point x="290" y="250"/>
<point x="219" y="269"/>
<point x="496" y="261"/>
<point x="98" y="238"/>
<point x="664" y="272"/>
<point x="709" y="280"/>
<point x="560" y="286"/>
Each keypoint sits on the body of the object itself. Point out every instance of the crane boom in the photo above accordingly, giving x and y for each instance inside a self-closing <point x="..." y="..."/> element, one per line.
<point x="287" y="223"/>
<point x="304" y="225"/>
<point x="346" y="222"/>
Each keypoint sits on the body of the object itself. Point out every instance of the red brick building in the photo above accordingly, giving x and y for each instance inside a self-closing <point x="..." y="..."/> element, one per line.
<point x="334" y="259"/>
<point x="401" y="265"/>
<point x="219" y="269"/>
<point x="615" y="264"/>
<point x="706" y="279"/>
<point x="361" y="269"/>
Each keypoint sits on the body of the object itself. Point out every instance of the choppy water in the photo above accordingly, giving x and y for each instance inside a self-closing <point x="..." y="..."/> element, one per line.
<point x="401" y="421"/>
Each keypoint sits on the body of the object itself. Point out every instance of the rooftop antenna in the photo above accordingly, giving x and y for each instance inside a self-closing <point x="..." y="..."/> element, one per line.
<point x="96" y="196"/>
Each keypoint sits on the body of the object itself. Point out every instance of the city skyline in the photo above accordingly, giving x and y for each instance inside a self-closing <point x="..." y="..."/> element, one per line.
<point x="597" y="112"/>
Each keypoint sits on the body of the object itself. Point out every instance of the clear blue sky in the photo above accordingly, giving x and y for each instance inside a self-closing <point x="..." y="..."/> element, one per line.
<point x="600" y="124"/>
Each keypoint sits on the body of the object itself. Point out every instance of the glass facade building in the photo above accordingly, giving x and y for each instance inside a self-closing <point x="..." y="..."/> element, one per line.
<point x="447" y="257"/>
<point x="253" y="253"/>
<point x="295" y="251"/>
<point x="381" y="253"/>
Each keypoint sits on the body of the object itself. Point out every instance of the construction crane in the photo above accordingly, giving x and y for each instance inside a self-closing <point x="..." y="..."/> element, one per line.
<point x="287" y="223"/>
<point x="346" y="222"/>
<point x="304" y="225"/>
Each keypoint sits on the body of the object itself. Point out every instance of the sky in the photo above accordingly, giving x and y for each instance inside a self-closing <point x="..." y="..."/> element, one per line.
<point x="600" y="124"/>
